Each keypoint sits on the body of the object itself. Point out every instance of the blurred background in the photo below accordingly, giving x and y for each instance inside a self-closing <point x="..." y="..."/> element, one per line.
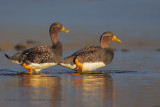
<point x="135" y="22"/>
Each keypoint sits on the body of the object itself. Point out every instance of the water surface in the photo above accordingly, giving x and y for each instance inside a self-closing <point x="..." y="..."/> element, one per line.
<point x="132" y="79"/>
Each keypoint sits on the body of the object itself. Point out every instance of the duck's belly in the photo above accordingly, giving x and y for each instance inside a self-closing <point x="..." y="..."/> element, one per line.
<point x="39" y="66"/>
<point x="88" y="66"/>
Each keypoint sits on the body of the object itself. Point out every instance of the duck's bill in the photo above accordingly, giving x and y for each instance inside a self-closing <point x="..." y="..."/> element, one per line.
<point x="64" y="29"/>
<point x="116" y="39"/>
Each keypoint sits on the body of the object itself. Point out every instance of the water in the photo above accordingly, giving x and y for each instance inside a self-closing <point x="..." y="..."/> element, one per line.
<point x="132" y="79"/>
<point x="65" y="90"/>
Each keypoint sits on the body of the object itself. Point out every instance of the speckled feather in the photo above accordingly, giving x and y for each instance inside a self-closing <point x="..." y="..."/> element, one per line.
<point x="41" y="54"/>
<point x="91" y="54"/>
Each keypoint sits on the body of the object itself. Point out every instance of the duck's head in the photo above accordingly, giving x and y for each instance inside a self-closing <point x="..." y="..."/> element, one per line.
<point x="106" y="38"/>
<point x="57" y="27"/>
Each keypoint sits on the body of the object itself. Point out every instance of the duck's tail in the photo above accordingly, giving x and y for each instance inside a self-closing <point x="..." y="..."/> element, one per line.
<point x="68" y="62"/>
<point x="7" y="56"/>
<point x="12" y="58"/>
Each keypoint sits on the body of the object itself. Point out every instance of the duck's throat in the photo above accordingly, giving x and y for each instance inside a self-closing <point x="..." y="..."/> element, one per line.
<point x="105" y="45"/>
<point x="54" y="37"/>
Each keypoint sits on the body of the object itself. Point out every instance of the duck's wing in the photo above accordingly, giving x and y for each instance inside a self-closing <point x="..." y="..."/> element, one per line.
<point x="95" y="55"/>
<point x="90" y="54"/>
<point x="38" y="54"/>
<point x="80" y="53"/>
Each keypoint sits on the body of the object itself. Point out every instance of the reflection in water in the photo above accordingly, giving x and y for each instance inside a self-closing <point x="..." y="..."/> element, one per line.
<point x="65" y="90"/>
<point x="41" y="90"/>
<point x="94" y="90"/>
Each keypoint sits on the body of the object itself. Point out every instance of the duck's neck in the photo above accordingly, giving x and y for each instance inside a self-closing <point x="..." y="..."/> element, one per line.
<point x="56" y="46"/>
<point x="54" y="37"/>
<point x="104" y="44"/>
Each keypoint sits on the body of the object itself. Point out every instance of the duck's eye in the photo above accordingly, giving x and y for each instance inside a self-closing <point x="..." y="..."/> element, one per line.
<point x="109" y="34"/>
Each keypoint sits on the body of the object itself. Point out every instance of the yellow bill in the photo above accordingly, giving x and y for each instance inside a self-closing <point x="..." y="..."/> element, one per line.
<point x="64" y="29"/>
<point x="116" y="39"/>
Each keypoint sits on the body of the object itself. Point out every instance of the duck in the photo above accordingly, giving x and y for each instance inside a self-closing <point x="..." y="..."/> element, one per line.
<point x="92" y="57"/>
<point x="41" y="56"/>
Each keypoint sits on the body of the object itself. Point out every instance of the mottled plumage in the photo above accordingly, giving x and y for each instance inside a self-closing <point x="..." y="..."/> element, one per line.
<point x="91" y="54"/>
<point x="41" y="54"/>
<point x="41" y="57"/>
<point x="92" y="57"/>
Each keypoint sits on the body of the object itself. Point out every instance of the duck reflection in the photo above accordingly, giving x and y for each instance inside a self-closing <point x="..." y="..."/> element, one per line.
<point x="67" y="90"/>
<point x="92" y="89"/>
<point x="41" y="89"/>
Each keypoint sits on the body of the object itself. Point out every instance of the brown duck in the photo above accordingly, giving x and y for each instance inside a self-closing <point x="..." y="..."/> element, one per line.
<point x="92" y="57"/>
<point x="40" y="57"/>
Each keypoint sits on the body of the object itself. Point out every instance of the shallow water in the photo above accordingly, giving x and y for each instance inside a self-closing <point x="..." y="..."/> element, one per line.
<point x="132" y="79"/>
